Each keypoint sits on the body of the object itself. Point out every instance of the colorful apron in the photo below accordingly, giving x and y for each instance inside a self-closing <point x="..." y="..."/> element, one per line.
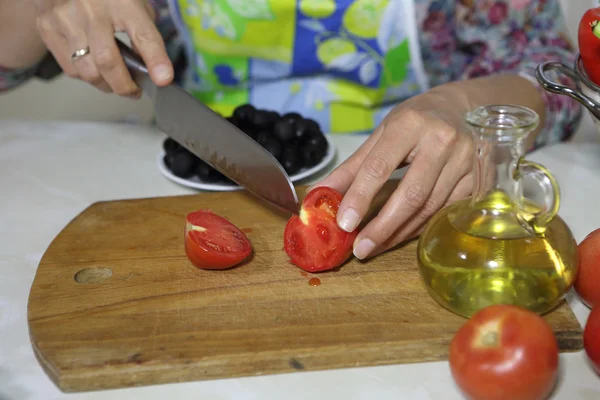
<point x="343" y="63"/>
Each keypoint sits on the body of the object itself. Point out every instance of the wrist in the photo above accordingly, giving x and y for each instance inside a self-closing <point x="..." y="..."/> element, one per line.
<point x="450" y="101"/>
<point x="509" y="88"/>
<point x="20" y="44"/>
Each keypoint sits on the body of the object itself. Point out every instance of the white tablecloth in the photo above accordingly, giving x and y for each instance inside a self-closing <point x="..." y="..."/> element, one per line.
<point x="49" y="172"/>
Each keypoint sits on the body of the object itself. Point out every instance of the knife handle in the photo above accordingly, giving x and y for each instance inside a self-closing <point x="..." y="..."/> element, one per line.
<point x="132" y="60"/>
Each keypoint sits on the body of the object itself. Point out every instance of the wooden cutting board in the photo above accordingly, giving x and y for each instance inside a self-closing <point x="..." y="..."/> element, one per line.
<point x="115" y="302"/>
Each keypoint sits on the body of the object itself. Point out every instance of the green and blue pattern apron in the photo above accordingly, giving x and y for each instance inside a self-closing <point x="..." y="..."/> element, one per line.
<point x="343" y="63"/>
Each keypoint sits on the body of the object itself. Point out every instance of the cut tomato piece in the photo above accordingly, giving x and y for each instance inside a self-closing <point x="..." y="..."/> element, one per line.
<point x="313" y="240"/>
<point x="212" y="242"/>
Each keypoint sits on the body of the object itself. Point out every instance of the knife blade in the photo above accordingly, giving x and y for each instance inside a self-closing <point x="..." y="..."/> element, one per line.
<point x="213" y="139"/>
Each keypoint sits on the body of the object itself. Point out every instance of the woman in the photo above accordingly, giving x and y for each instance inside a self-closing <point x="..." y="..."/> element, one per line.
<point x="405" y="70"/>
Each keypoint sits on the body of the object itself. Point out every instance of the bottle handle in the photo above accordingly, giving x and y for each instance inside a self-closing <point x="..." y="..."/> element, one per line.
<point x="551" y="191"/>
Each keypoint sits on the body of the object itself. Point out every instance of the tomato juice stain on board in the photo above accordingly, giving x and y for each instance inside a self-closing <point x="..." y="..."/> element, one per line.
<point x="247" y="230"/>
<point x="314" y="282"/>
<point x="304" y="274"/>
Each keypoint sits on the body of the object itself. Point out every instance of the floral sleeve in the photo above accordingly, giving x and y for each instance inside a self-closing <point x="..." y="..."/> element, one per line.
<point x="11" y="78"/>
<point x="516" y="36"/>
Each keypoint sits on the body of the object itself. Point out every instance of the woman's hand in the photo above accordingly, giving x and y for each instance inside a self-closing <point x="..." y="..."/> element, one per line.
<point x="424" y="132"/>
<point x="66" y="26"/>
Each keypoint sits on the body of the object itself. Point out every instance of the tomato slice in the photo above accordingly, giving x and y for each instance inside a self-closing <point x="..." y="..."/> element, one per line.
<point x="213" y="242"/>
<point x="591" y="338"/>
<point x="588" y="37"/>
<point x="313" y="240"/>
<point x="505" y="352"/>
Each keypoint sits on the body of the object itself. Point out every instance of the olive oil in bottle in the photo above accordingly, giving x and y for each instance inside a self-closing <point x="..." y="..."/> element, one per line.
<point x="497" y="247"/>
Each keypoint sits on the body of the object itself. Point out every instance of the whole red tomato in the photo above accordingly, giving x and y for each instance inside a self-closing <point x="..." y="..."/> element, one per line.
<point x="591" y="338"/>
<point x="588" y="37"/>
<point x="587" y="283"/>
<point x="313" y="240"/>
<point x="505" y="352"/>
<point x="212" y="242"/>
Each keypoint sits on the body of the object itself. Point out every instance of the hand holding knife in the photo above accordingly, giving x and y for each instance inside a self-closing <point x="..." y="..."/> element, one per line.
<point x="214" y="139"/>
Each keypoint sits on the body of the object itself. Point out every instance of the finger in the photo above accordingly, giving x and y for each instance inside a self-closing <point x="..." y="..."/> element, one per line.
<point x="103" y="86"/>
<point x="68" y="22"/>
<point x="341" y="177"/>
<point x="56" y="44"/>
<point x="146" y="38"/>
<point x="459" y="164"/>
<point x="415" y="226"/>
<point x="412" y="192"/>
<point x="108" y="59"/>
<point x="150" y="10"/>
<point x="399" y="137"/>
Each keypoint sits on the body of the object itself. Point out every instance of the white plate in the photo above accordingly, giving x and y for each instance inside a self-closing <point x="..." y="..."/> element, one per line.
<point x="196" y="183"/>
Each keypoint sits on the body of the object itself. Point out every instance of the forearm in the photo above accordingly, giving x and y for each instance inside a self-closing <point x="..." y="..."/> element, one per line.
<point x="20" y="44"/>
<point x="500" y="89"/>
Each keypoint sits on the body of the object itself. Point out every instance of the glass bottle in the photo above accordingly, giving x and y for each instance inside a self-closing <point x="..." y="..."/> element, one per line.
<point x="497" y="246"/>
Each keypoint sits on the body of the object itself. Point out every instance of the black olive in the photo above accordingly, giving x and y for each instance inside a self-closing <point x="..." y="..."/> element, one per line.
<point x="313" y="127"/>
<point x="291" y="117"/>
<point x="167" y="161"/>
<point x="270" y="143"/>
<point x="273" y="146"/>
<point x="305" y="128"/>
<point x="244" y="113"/>
<point x="206" y="173"/>
<point x="263" y="136"/>
<point x="235" y="121"/>
<point x="264" y="119"/>
<point x="182" y="164"/>
<point x="313" y="154"/>
<point x="224" y="179"/>
<point x="170" y="145"/>
<point x="290" y="161"/>
<point x="251" y="131"/>
<point x="316" y="142"/>
<point x="284" y="131"/>
<point x="274" y="115"/>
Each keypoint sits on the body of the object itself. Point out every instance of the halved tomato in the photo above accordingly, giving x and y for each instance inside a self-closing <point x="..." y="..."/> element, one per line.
<point x="212" y="242"/>
<point x="313" y="240"/>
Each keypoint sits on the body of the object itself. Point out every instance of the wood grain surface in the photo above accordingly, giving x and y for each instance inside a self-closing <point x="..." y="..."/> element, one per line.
<point x="115" y="302"/>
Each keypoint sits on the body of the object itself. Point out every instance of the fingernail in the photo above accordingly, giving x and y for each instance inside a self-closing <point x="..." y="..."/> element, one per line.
<point x="162" y="72"/>
<point x="364" y="248"/>
<point x="349" y="220"/>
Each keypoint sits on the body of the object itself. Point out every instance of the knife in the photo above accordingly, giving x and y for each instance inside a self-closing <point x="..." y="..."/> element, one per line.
<point x="213" y="139"/>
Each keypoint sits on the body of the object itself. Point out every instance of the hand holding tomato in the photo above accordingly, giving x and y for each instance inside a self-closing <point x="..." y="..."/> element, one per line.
<point x="425" y="132"/>
<point x="505" y="352"/>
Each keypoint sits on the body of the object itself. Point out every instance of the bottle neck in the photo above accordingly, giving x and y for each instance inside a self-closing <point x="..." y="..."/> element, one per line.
<point x="495" y="166"/>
